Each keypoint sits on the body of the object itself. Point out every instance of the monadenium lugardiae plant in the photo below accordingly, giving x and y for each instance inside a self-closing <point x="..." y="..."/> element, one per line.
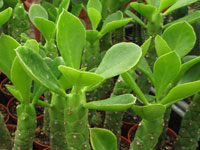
<point x="167" y="71"/>
<point x="71" y="39"/>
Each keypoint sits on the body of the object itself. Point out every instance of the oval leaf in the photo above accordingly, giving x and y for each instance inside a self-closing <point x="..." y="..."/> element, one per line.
<point x="39" y="70"/>
<point x="166" y="68"/>
<point x="116" y="103"/>
<point x="102" y="139"/>
<point x="80" y="78"/>
<point x="181" y="42"/>
<point x="119" y="59"/>
<point x="5" y="16"/>
<point x="71" y="37"/>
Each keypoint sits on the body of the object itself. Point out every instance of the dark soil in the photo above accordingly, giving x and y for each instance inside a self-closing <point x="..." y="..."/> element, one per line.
<point x="129" y="116"/>
<point x="4" y="87"/>
<point x="4" y="113"/>
<point x="40" y="136"/>
<point x="14" y="103"/>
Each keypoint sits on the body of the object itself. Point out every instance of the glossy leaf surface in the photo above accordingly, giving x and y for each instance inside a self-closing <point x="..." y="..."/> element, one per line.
<point x="102" y="139"/>
<point x="71" y="38"/>
<point x="116" y="103"/>
<point x="80" y="78"/>
<point x="12" y="89"/>
<point x="39" y="70"/>
<point x="181" y="42"/>
<point x="166" y="68"/>
<point x="118" y="59"/>
<point x="165" y="4"/>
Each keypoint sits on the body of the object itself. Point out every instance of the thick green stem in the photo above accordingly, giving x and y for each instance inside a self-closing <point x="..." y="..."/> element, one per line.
<point x="147" y="134"/>
<point x="5" y="138"/>
<point x="46" y="120"/>
<point x="26" y="125"/>
<point x="76" y="119"/>
<point x="51" y="49"/>
<point x="57" y="125"/>
<point x="91" y="55"/>
<point x="189" y="132"/>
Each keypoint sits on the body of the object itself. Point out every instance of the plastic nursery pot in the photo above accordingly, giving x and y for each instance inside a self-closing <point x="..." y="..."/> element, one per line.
<point x="12" y="128"/>
<point x="48" y="148"/>
<point x="11" y="106"/>
<point x="84" y="17"/>
<point x="40" y="146"/>
<point x="124" y="141"/>
<point x="5" y="113"/>
<point x="3" y="88"/>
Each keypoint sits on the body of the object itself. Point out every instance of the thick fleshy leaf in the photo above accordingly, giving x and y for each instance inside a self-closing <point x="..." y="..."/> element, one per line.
<point x="71" y="37"/>
<point x="39" y="70"/>
<point x="149" y="112"/>
<point x="32" y="44"/>
<point x="102" y="139"/>
<point x="12" y="89"/>
<point x="145" y="47"/>
<point x="37" y="11"/>
<point x="114" y="25"/>
<point x="119" y="59"/>
<point x="92" y="36"/>
<point x="180" y="92"/>
<point x="135" y="18"/>
<point x="21" y="80"/>
<point x="94" y="9"/>
<point x="166" y="68"/>
<point x="80" y="78"/>
<point x="113" y="17"/>
<point x="46" y="27"/>
<point x="145" y="10"/>
<point x="181" y="42"/>
<point x="191" y="18"/>
<point x="179" y="4"/>
<point x="116" y="103"/>
<point x="63" y="5"/>
<point x="5" y="16"/>
<point x="165" y="4"/>
<point x="161" y="46"/>
<point x="51" y="10"/>
<point x="193" y="74"/>
<point x="7" y="53"/>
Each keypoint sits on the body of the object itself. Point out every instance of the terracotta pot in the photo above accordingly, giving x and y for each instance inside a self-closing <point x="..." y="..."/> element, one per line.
<point x="125" y="141"/>
<point x="2" y="85"/>
<point x="39" y="118"/>
<point x="48" y="148"/>
<point x="8" y="116"/>
<point x="84" y="17"/>
<point x="40" y="146"/>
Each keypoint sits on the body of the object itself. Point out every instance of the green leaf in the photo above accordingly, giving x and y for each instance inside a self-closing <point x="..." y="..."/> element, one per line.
<point x="166" y="68"/>
<point x="76" y="10"/>
<point x="149" y="112"/>
<point x="46" y="27"/>
<point x="191" y="18"/>
<point x="5" y="15"/>
<point x="94" y="9"/>
<point x="51" y="10"/>
<point x="102" y="139"/>
<point x="116" y="103"/>
<point x="135" y="18"/>
<point x="114" y="25"/>
<point x="7" y="53"/>
<point x="113" y="17"/>
<point x="161" y="46"/>
<point x="193" y="74"/>
<point x="12" y="89"/>
<point x="145" y="47"/>
<point x="80" y="78"/>
<point x="37" y="11"/>
<point x="39" y="70"/>
<point x="119" y="59"/>
<point x="64" y="5"/>
<point x="92" y="36"/>
<point x="180" y="92"/>
<point x="71" y="37"/>
<point x="21" y="80"/>
<point x="181" y="42"/>
<point x="145" y="10"/>
<point x="32" y="44"/>
<point x="178" y="4"/>
<point x="155" y="3"/>
<point x="165" y="4"/>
